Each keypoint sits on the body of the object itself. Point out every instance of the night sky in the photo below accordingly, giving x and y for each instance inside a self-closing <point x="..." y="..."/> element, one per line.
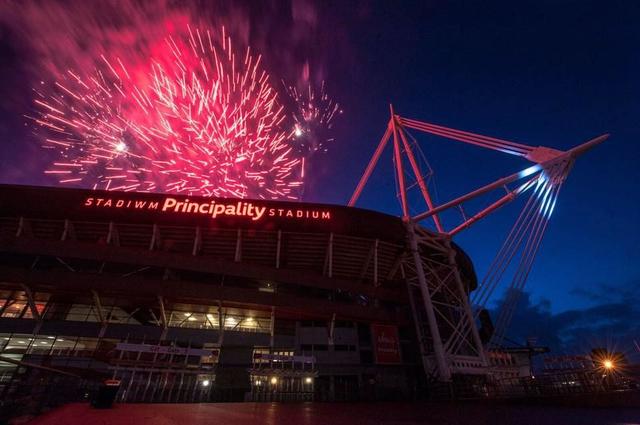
<point x="552" y="73"/>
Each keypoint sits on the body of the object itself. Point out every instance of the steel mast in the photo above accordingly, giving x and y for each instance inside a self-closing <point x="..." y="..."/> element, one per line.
<point x="444" y="316"/>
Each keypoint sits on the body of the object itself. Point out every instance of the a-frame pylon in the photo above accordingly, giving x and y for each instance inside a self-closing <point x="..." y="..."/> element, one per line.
<point x="444" y="316"/>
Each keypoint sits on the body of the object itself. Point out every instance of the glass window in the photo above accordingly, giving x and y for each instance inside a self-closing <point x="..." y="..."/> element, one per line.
<point x="185" y="319"/>
<point x="42" y="344"/>
<point x="7" y="369"/>
<point x="63" y="345"/>
<point x="4" y="340"/>
<point x="237" y="322"/>
<point x="86" y="346"/>
<point x="82" y="313"/>
<point x="40" y="305"/>
<point x="215" y="354"/>
<point x="14" y="308"/>
<point x="211" y="321"/>
<point x="19" y="343"/>
<point x="258" y="354"/>
<point x="119" y="315"/>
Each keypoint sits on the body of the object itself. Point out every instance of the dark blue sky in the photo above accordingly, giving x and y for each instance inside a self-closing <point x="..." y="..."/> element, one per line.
<point x="552" y="73"/>
<point x="543" y="73"/>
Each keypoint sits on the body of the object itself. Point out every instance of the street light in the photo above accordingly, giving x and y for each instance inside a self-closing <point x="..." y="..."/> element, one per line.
<point x="608" y="364"/>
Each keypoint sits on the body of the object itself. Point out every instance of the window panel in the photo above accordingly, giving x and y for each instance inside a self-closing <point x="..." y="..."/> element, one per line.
<point x="14" y="309"/>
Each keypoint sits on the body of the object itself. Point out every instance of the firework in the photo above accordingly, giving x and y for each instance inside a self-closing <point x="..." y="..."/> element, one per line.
<point x="196" y="119"/>
<point x="313" y="115"/>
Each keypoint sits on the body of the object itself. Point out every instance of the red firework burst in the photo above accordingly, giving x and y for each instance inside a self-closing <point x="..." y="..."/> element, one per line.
<point x="198" y="120"/>
<point x="313" y="115"/>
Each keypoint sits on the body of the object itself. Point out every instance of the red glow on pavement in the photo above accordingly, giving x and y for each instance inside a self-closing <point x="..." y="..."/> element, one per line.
<point x="405" y="413"/>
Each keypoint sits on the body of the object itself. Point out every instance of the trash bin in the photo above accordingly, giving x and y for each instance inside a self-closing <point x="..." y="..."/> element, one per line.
<point x="106" y="394"/>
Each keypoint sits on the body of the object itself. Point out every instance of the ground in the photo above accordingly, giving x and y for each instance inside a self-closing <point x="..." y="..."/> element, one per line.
<point x="335" y="414"/>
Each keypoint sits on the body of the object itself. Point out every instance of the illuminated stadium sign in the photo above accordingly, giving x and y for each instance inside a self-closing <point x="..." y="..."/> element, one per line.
<point x="86" y="205"/>
<point x="254" y="210"/>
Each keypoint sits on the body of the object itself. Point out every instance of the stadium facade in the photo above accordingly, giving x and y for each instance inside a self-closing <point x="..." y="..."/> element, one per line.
<point x="185" y="299"/>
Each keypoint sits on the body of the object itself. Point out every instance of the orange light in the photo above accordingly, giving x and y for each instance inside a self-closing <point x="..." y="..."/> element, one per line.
<point x="608" y="364"/>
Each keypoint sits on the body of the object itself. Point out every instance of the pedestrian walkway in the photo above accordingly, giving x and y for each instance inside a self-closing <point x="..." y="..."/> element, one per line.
<point x="333" y="414"/>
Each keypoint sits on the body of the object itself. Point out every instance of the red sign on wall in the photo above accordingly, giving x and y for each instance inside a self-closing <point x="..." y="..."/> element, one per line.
<point x="386" y="344"/>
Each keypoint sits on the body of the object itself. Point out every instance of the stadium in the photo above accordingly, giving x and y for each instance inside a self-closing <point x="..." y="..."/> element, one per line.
<point x="185" y="299"/>
<point x="175" y="298"/>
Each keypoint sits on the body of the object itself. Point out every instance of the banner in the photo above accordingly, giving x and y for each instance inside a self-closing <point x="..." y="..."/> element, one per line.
<point x="386" y="344"/>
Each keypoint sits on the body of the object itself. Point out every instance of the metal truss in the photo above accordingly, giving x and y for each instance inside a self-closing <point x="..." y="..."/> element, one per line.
<point x="444" y="316"/>
<point x="439" y="303"/>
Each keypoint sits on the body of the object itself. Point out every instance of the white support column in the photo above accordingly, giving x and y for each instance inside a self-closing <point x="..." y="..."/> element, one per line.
<point x="100" y="311"/>
<point x="238" y="255"/>
<point x="272" y="327"/>
<point x="221" y="318"/>
<point x="328" y="259"/>
<point x="464" y="299"/>
<point x="395" y="266"/>
<point x="24" y="228"/>
<point x="416" y="323"/>
<point x="98" y="305"/>
<point x="112" y="237"/>
<point x="278" y="248"/>
<point x="68" y="232"/>
<point x="442" y="362"/>
<point x="20" y="230"/>
<point x="8" y="302"/>
<point x="197" y="241"/>
<point x="31" y="302"/>
<point x="332" y="327"/>
<point x="163" y="316"/>
<point x="155" y="238"/>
